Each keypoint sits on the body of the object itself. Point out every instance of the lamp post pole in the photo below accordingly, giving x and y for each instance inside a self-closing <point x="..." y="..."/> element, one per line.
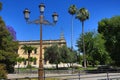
<point x="40" y="21"/>
<point x="40" y="70"/>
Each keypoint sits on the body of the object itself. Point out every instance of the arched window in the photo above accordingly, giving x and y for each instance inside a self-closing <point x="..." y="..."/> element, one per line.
<point x="24" y="62"/>
<point x="34" y="62"/>
<point x="35" y="51"/>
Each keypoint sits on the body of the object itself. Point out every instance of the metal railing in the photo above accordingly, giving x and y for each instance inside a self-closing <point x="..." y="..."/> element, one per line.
<point x="68" y="75"/>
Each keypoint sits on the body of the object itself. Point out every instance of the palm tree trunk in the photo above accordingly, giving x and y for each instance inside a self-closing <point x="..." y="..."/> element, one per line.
<point x="72" y="40"/>
<point x="84" y="57"/>
<point x="28" y="59"/>
<point x="72" y="33"/>
<point x="57" y="66"/>
<point x="18" y="68"/>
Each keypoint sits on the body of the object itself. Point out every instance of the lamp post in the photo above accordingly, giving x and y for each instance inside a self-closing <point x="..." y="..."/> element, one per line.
<point x="40" y="21"/>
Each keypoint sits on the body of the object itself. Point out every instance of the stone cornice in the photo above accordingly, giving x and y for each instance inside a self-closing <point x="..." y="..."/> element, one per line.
<point x="37" y="42"/>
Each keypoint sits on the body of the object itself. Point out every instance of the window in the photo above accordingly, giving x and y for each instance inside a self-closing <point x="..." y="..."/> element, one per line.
<point x="34" y="62"/>
<point x="24" y="62"/>
<point x="35" y="51"/>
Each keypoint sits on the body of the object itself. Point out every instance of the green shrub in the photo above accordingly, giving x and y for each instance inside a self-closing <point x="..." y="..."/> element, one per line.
<point x="3" y="73"/>
<point x="29" y="66"/>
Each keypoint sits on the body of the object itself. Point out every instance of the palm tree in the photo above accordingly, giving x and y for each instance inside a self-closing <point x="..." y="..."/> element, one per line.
<point x="19" y="60"/>
<point x="82" y="15"/>
<point x="72" y="10"/>
<point x="34" y="60"/>
<point x="28" y="50"/>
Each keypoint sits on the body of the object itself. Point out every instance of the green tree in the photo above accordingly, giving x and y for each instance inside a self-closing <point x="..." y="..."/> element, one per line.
<point x="52" y="55"/>
<point x="67" y="55"/>
<point x="72" y="10"/>
<point x="99" y="52"/>
<point x="79" y="58"/>
<point x="72" y="56"/>
<point x="3" y="72"/>
<point x="82" y="15"/>
<point x="28" y="50"/>
<point x="19" y="60"/>
<point x="8" y="48"/>
<point x="59" y="54"/>
<point x="95" y="49"/>
<point x="110" y="29"/>
<point x="32" y="59"/>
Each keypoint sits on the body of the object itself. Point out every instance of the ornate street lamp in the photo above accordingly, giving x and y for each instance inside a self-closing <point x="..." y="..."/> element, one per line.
<point x="40" y="21"/>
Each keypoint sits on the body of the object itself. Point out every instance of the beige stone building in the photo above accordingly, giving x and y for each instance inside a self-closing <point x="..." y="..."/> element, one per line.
<point x="36" y="53"/>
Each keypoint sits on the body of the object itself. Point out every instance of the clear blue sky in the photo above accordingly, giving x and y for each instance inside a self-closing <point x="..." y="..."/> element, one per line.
<point x="12" y="14"/>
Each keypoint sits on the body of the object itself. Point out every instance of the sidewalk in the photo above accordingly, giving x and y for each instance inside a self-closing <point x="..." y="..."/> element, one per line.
<point x="69" y="76"/>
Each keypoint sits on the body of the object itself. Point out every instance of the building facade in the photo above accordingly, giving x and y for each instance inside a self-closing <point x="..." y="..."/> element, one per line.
<point x="36" y="53"/>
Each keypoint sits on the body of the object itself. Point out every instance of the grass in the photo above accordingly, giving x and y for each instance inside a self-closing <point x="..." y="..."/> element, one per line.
<point x="88" y="68"/>
<point x="52" y="79"/>
<point x="78" y="68"/>
<point x="24" y="69"/>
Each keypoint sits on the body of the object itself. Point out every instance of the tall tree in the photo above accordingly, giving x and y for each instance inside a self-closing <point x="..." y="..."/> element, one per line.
<point x="72" y="10"/>
<point x="55" y="55"/>
<point x="110" y="29"/>
<point x="28" y="50"/>
<point x="8" y="48"/>
<point x="65" y="54"/>
<point x="95" y="49"/>
<point x="52" y="55"/>
<point x="82" y="15"/>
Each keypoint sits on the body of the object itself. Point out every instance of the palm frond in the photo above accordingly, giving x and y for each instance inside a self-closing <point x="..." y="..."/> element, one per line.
<point x="72" y="9"/>
<point x="82" y="14"/>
